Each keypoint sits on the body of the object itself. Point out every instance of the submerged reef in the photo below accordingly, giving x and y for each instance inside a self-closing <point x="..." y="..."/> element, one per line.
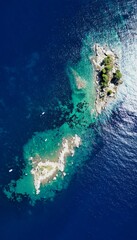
<point x="44" y="170"/>
<point x="51" y="156"/>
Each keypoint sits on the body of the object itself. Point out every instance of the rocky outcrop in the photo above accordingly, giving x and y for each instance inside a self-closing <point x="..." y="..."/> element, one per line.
<point x="105" y="81"/>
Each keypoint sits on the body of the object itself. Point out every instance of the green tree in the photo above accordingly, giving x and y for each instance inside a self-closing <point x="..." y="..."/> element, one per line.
<point x="107" y="60"/>
<point x="103" y="70"/>
<point x="109" y="92"/>
<point x="105" y="77"/>
<point x="108" y="68"/>
<point x="118" y="75"/>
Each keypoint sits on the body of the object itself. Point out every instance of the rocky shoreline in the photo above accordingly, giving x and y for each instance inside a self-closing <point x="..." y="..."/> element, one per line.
<point x="107" y="76"/>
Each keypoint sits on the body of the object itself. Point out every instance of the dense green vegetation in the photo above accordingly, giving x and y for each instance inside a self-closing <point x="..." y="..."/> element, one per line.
<point x="108" y="68"/>
<point x="108" y="65"/>
<point x="105" y="73"/>
<point x="117" y="75"/>
<point x="104" y="80"/>
<point x="107" y="60"/>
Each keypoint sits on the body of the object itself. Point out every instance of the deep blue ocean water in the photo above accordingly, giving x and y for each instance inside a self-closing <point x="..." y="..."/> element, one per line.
<point x="36" y="41"/>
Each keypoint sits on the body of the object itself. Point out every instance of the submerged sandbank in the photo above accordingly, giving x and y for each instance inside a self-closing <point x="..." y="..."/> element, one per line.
<point x="45" y="170"/>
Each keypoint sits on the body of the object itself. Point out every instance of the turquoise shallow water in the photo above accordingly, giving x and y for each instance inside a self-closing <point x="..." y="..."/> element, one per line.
<point x="46" y="144"/>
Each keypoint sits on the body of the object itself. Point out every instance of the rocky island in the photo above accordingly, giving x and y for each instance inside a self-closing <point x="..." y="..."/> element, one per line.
<point x="107" y="76"/>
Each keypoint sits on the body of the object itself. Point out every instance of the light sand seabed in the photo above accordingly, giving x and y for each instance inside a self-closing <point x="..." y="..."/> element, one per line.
<point x="47" y="170"/>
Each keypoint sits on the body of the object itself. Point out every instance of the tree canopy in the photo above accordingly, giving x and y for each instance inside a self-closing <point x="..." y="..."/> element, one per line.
<point x="118" y="75"/>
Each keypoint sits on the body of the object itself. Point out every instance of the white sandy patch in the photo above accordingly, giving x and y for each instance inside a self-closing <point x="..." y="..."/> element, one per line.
<point x="46" y="171"/>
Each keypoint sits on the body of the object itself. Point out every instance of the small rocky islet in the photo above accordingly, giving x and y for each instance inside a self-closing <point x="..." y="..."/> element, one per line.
<point x="107" y="76"/>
